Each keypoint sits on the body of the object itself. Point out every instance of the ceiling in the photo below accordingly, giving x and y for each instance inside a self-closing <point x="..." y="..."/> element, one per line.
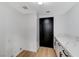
<point x="54" y="8"/>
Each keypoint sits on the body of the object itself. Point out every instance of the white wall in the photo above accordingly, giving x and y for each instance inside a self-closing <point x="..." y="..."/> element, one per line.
<point x="59" y="25"/>
<point x="73" y="20"/>
<point x="69" y="22"/>
<point x="16" y="31"/>
<point x="30" y="32"/>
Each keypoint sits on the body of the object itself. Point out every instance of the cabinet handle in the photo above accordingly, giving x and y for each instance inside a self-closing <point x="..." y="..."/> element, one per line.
<point x="59" y="44"/>
<point x="60" y="54"/>
<point x="65" y="53"/>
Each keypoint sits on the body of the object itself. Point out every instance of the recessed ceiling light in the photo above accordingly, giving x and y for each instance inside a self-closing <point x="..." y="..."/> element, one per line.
<point x="48" y="11"/>
<point x="25" y="7"/>
<point x="40" y="3"/>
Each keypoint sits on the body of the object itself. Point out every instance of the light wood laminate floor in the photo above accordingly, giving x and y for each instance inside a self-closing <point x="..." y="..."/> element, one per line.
<point x="41" y="52"/>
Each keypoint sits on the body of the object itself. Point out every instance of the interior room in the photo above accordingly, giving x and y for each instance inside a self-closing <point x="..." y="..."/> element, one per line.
<point x="39" y="29"/>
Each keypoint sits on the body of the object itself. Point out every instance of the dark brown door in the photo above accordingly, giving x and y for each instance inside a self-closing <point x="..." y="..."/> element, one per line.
<point x="46" y="32"/>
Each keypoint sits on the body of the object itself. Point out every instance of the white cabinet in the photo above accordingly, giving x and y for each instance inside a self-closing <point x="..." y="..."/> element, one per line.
<point x="60" y="50"/>
<point x="56" y="47"/>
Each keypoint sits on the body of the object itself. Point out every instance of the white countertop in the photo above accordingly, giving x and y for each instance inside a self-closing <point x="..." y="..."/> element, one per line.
<point x="71" y="44"/>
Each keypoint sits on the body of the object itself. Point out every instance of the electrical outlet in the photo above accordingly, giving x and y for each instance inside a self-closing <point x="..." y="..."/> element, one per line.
<point x="20" y="48"/>
<point x="11" y="56"/>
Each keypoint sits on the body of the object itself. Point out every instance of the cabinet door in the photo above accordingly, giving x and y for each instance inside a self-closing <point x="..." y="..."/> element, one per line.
<point x="56" y="47"/>
<point x="60" y="50"/>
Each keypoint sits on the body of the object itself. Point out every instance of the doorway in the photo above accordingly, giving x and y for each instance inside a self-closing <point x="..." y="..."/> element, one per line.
<point x="46" y="32"/>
